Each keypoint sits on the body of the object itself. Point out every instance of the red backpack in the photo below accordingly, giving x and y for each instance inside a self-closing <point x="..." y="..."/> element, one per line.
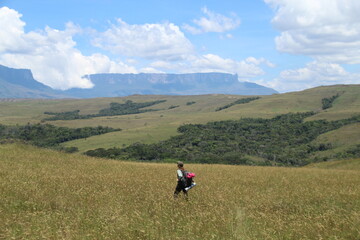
<point x="188" y="177"/>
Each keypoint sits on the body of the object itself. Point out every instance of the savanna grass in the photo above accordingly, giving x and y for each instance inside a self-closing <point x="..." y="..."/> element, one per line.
<point x="155" y="126"/>
<point x="51" y="195"/>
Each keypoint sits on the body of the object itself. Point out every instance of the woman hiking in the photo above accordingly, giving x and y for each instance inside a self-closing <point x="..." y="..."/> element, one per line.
<point x="184" y="180"/>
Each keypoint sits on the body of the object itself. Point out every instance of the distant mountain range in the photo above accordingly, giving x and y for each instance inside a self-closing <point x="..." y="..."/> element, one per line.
<point x="19" y="83"/>
<point x="113" y="84"/>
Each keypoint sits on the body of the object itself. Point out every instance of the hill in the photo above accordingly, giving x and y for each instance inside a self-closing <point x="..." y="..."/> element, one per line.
<point x="113" y="85"/>
<point x="19" y="83"/>
<point x="286" y="140"/>
<point x="163" y="121"/>
<point x="349" y="164"/>
<point x="51" y="195"/>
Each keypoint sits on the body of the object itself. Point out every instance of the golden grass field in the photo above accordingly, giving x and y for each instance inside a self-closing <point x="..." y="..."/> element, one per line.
<point x="52" y="195"/>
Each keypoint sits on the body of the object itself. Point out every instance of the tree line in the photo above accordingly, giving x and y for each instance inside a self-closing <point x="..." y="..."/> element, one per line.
<point x="46" y="135"/>
<point x="239" y="101"/>
<point x="285" y="140"/>
<point x="327" y="102"/>
<point x="129" y="107"/>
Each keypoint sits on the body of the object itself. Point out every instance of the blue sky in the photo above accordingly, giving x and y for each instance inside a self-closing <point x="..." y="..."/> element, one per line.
<point x="284" y="44"/>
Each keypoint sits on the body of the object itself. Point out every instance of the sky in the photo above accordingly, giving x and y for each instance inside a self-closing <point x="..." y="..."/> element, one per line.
<point x="288" y="45"/>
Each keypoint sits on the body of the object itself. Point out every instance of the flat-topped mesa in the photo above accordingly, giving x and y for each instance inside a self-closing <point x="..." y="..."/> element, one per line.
<point x="116" y="84"/>
<point x="20" y="83"/>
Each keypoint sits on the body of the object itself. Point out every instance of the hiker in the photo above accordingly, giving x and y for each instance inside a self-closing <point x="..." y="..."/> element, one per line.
<point x="184" y="180"/>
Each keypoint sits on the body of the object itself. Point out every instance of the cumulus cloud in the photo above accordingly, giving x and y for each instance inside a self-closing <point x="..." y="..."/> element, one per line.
<point x="213" y="22"/>
<point x="151" y="41"/>
<point x="328" y="30"/>
<point x="51" y="54"/>
<point x="213" y="63"/>
<point x="55" y="60"/>
<point x="313" y="74"/>
<point x="248" y="68"/>
<point x="11" y="30"/>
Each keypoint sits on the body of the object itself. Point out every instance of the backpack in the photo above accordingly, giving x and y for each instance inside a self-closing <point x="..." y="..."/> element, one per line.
<point x="188" y="178"/>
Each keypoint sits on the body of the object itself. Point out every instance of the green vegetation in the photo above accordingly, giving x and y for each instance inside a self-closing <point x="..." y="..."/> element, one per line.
<point x="240" y="101"/>
<point x="352" y="152"/>
<point x="283" y="140"/>
<point x="155" y="126"/>
<point x="72" y="115"/>
<point x="348" y="164"/>
<point x="46" y="135"/>
<point x="129" y="107"/>
<point x="173" y="106"/>
<point x="327" y="102"/>
<point x="49" y="195"/>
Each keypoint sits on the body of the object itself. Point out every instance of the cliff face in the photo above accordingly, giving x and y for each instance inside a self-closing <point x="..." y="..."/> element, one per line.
<point x="112" y="85"/>
<point x="20" y="83"/>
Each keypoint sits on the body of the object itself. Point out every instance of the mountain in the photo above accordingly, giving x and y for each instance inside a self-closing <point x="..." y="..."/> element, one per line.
<point x="114" y="85"/>
<point x="20" y="83"/>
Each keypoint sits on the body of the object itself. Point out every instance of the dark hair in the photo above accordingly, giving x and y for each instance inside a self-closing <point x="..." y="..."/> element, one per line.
<point x="180" y="164"/>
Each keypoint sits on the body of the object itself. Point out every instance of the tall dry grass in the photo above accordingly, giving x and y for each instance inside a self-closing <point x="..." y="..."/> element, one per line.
<point x="49" y="195"/>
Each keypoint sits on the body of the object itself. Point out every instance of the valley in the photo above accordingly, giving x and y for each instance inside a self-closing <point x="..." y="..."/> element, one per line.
<point x="162" y="122"/>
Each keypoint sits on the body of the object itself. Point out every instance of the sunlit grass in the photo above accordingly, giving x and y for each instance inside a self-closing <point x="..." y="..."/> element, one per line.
<point x="50" y="195"/>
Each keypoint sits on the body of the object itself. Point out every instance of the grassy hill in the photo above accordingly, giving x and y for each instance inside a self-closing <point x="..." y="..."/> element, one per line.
<point x="151" y="127"/>
<point x="51" y="195"/>
<point x="348" y="164"/>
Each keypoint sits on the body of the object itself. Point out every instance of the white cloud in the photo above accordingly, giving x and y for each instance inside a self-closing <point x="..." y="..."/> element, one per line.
<point x="313" y="74"/>
<point x="213" y="22"/>
<point x="214" y="63"/>
<point x="245" y="69"/>
<point x="11" y="30"/>
<point x="151" y="41"/>
<point x="54" y="59"/>
<point x="150" y="70"/>
<point x="50" y="53"/>
<point x="258" y="61"/>
<point x="328" y="30"/>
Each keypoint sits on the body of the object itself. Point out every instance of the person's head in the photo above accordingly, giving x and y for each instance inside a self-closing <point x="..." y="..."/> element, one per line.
<point x="180" y="164"/>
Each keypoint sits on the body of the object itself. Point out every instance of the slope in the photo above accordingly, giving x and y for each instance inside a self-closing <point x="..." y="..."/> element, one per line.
<point x="9" y="90"/>
<point x="151" y="127"/>
<point x="19" y="83"/>
<point x="46" y="194"/>
<point x="348" y="164"/>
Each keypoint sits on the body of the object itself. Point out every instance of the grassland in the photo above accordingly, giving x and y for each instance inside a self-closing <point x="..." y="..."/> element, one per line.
<point x="50" y="195"/>
<point x="152" y="127"/>
<point x="348" y="164"/>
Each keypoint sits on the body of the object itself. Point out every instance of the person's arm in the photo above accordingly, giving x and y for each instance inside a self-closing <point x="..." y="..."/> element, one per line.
<point x="179" y="175"/>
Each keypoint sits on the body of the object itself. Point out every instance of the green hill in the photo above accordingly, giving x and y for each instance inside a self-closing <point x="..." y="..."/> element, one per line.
<point x="348" y="164"/>
<point x="46" y="194"/>
<point x="154" y="126"/>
